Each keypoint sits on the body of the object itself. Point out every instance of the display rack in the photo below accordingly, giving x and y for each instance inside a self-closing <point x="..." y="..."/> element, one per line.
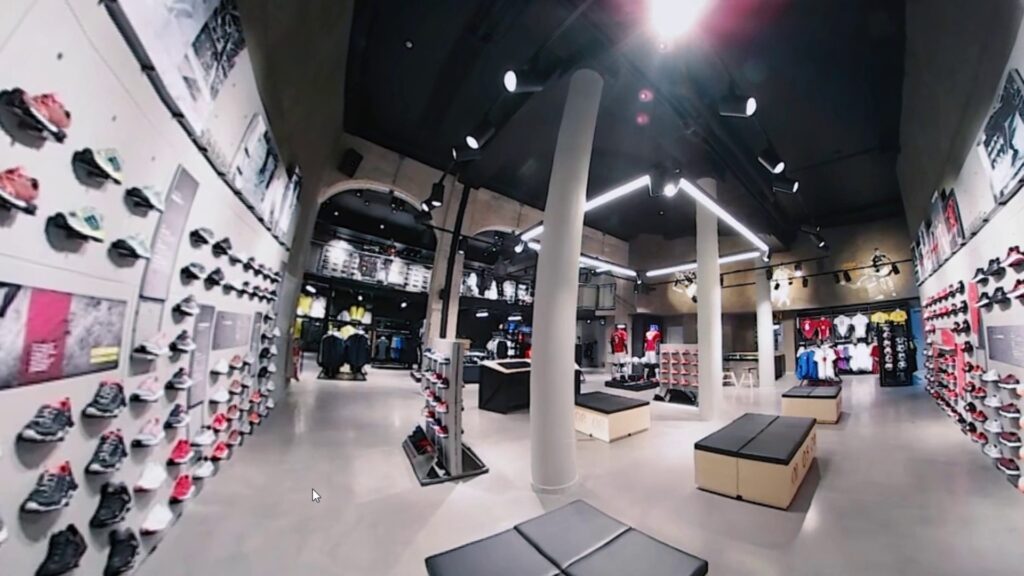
<point x="897" y="362"/>
<point x="678" y="374"/>
<point x="436" y="457"/>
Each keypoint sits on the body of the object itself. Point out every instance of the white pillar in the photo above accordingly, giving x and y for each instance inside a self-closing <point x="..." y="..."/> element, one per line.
<point x="552" y="434"/>
<point x="709" y="307"/>
<point x="765" y="331"/>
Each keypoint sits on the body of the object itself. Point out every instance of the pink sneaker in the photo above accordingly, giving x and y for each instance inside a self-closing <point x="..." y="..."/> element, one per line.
<point x="19" y="189"/>
<point x="47" y="108"/>
<point x="149" y="390"/>
<point x="152" y="433"/>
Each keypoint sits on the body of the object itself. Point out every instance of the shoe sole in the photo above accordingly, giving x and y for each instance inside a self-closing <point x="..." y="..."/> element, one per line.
<point x="116" y="520"/>
<point x="35" y="508"/>
<point x="97" y="469"/>
<point x="90" y="412"/>
<point x="29" y="435"/>
<point x="147" y="443"/>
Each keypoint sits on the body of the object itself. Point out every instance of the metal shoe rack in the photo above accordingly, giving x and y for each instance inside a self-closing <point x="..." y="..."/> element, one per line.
<point x="446" y="458"/>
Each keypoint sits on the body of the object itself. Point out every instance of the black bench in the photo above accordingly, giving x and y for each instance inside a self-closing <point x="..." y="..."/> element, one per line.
<point x="574" y="540"/>
<point x="608" y="403"/>
<point x="823" y="403"/>
<point x="812" y="392"/>
<point x="609" y="417"/>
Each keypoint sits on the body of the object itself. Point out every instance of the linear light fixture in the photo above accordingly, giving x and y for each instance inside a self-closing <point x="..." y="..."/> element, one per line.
<point x="710" y="204"/>
<point x="598" y="201"/>
<point x="594" y="262"/>
<point x="693" y="265"/>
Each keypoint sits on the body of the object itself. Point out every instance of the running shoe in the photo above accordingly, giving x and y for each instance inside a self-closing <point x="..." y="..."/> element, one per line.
<point x="442" y="431"/>
<point x="236" y="387"/>
<point x="115" y="503"/>
<point x="205" y="437"/>
<point x="1010" y="439"/>
<point x="201" y="236"/>
<point x="984" y="301"/>
<point x="219" y="422"/>
<point x="104" y="163"/>
<point x="151" y="349"/>
<point x="204" y="470"/>
<point x="1018" y="289"/>
<point x="183" y="343"/>
<point x="994" y="268"/>
<point x="1013" y="257"/>
<point x="993" y="450"/>
<point x="158" y="519"/>
<point x="994" y="426"/>
<point x="221" y="368"/>
<point x="222" y="247"/>
<point x="85" y="222"/>
<point x="51" y="423"/>
<point x="249" y="360"/>
<point x="215" y="278"/>
<point x="133" y="246"/>
<point x="151" y="434"/>
<point x="1010" y="382"/>
<point x="1000" y="297"/>
<point x="233" y="412"/>
<point x="194" y="271"/>
<point x="124" y="552"/>
<point x="1008" y="466"/>
<point x="219" y="394"/>
<point x="991" y="376"/>
<point x="53" y="490"/>
<point x="187" y="307"/>
<point x="152" y="478"/>
<point x="442" y="407"/>
<point x="220" y="451"/>
<point x="1010" y="411"/>
<point x="234" y="438"/>
<point x="236" y="363"/>
<point x="992" y="400"/>
<point x="147" y="197"/>
<point x="180" y="380"/>
<point x="236" y="258"/>
<point x="19" y="190"/>
<point x="148" y="391"/>
<point x="108" y="401"/>
<point x="183" y="489"/>
<point x="182" y="453"/>
<point x="63" y="552"/>
<point x="271" y="404"/>
<point x="255" y="419"/>
<point x="45" y="112"/>
<point x="109" y="455"/>
<point x="178" y="418"/>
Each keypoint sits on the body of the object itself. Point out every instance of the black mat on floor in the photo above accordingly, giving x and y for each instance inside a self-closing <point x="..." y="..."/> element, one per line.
<point x="632" y="386"/>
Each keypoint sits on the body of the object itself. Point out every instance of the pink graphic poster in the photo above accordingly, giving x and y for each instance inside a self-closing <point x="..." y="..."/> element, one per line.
<point x="42" y="353"/>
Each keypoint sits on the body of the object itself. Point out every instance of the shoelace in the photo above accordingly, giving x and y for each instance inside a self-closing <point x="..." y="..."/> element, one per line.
<point x="110" y="447"/>
<point x="107" y="394"/>
<point x="46" y="414"/>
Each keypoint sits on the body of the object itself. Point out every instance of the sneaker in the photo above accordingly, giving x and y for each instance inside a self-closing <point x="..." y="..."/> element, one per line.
<point x="53" y="490"/>
<point x="19" y="190"/>
<point x="134" y="246"/>
<point x="256" y="397"/>
<point x="158" y="519"/>
<point x="108" y="401"/>
<point x="150" y="350"/>
<point x="1018" y="289"/>
<point x="967" y="347"/>
<point x="180" y="380"/>
<point x="234" y="438"/>
<point x="222" y="247"/>
<point x="443" y="383"/>
<point x="250" y="264"/>
<point x="194" y="271"/>
<point x="236" y="258"/>
<point x="1013" y="257"/>
<point x="183" y="343"/>
<point x="1010" y="411"/>
<point x="124" y="552"/>
<point x="148" y="391"/>
<point x="962" y="327"/>
<point x="85" y="222"/>
<point x="236" y="362"/>
<point x="51" y="423"/>
<point x="184" y="489"/>
<point x="104" y="163"/>
<point x="277" y="334"/>
<point x="1008" y="466"/>
<point x="109" y="455"/>
<point x="215" y="278"/>
<point x="220" y="452"/>
<point x="204" y="470"/>
<point x="992" y="401"/>
<point x="249" y="360"/>
<point x="235" y="388"/>
<point x="147" y="197"/>
<point x="999" y="296"/>
<point x="993" y="451"/>
<point x="45" y="111"/>
<point x="267" y="370"/>
<point x="442" y="431"/>
<point x="271" y="404"/>
<point x="233" y="412"/>
<point x="246" y="428"/>
<point x="204" y="438"/>
<point x="178" y="417"/>
<point x="187" y="307"/>
<point x="219" y="422"/>
<point x="152" y="478"/>
<point x="991" y="376"/>
<point x="255" y="419"/>
<point x="115" y="503"/>
<point x="151" y="434"/>
<point x="984" y="301"/>
<point x="201" y="236"/>
<point x="994" y="268"/>
<point x="993" y="425"/>
<point x="63" y="553"/>
<point x="442" y="407"/>
<point x="219" y="394"/>
<point x="221" y="368"/>
<point x="269" y="387"/>
<point x="1010" y="382"/>
<point x="182" y="453"/>
<point x="265" y="353"/>
<point x="1011" y="439"/>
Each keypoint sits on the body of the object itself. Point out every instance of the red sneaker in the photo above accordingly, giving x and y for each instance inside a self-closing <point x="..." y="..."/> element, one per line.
<point x="219" y="422"/>
<point x="442" y="431"/>
<point x="183" y="489"/>
<point x="181" y="454"/>
<point x="235" y="387"/>
<point x="256" y="397"/>
<point x="19" y="189"/>
<point x="233" y="412"/>
<point x="220" y="452"/>
<point x="1014" y="257"/>
<point x="254" y="418"/>
<point x="234" y="438"/>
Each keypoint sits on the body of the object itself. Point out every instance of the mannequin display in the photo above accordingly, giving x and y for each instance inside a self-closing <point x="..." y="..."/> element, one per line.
<point x="652" y="338"/>
<point x="471" y="287"/>
<point x="492" y="291"/>
<point x="508" y="291"/>
<point x="357" y="352"/>
<point x="620" y="351"/>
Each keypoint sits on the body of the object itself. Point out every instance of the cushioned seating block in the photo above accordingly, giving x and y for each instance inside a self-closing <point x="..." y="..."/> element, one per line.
<point x="779" y="442"/>
<point x="636" y="553"/>
<point x="825" y="391"/>
<point x="504" y="554"/>
<point x="798" y="392"/>
<point x="730" y="439"/>
<point x="514" y="364"/>
<point x="607" y="403"/>
<point x="567" y="534"/>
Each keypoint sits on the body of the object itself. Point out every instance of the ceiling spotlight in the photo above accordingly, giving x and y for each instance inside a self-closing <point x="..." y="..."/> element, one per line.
<point x="798" y="269"/>
<point x="482" y="314"/>
<point x="479" y="137"/>
<point x="359" y="297"/>
<point x="737" y="106"/>
<point x="670" y="189"/>
<point x="522" y="82"/>
<point x="643" y="118"/>
<point x="819" y="241"/>
<point x="381" y="226"/>
<point x="646" y="95"/>
<point x="359" y="193"/>
<point x="436" y="198"/>
<point x="589" y="320"/>
<point x="603" y="322"/>
<point x="336" y="213"/>
<point x="805" y="281"/>
<point x="836" y="276"/>
<point x="846" y="276"/>
<point x="674" y="19"/>
<point x="404" y="304"/>
<point x="465" y="154"/>
<point x="515" y="318"/>
<point x="520" y="247"/>
<point x="310" y="289"/>
<point x="895" y="269"/>
<point x="425" y="206"/>
<point x="785" y="185"/>
<point x="771" y="161"/>
<point x="463" y="244"/>
<point x="776" y="286"/>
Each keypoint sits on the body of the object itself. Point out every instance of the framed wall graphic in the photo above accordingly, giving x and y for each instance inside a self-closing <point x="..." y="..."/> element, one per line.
<point x="231" y="330"/>
<point x="1002" y="139"/>
<point x="160" y="271"/>
<point x="48" y="335"/>
<point x="940" y="235"/>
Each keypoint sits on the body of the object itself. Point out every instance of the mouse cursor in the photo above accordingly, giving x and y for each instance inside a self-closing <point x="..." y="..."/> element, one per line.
<point x="316" y="496"/>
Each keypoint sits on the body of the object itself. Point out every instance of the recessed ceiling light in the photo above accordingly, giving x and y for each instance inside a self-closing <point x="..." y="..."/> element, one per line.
<point x="661" y="212"/>
<point x="336" y="213"/>
<point x="646" y="95"/>
<point x="381" y="226"/>
<point x="408" y="44"/>
<point x="643" y="119"/>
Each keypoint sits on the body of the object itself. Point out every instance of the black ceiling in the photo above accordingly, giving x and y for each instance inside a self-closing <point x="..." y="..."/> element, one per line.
<point x="827" y="76"/>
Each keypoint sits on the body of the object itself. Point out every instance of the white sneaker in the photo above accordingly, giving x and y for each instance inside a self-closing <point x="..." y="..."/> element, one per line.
<point x="993" y="401"/>
<point x="991" y="376"/>
<point x="994" y="425"/>
<point x="204" y="438"/>
<point x="180" y="380"/>
<point x="153" y="477"/>
<point x="148" y="391"/>
<point x="151" y="350"/>
<point x="152" y="433"/>
<point x="270" y="387"/>
<point x="276" y="333"/>
<point x="158" y="519"/>
<point x="271" y="404"/>
<point x="219" y="394"/>
<point x="205" y="469"/>
<point x="993" y="451"/>
<point x="221" y="368"/>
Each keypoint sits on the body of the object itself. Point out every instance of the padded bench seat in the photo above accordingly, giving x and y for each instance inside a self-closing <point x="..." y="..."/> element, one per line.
<point x="823" y="403"/>
<point x="757" y="457"/>
<point x="574" y="540"/>
<point x="610" y="417"/>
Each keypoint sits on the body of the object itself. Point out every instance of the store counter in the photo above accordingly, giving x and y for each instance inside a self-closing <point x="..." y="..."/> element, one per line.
<point x="740" y="361"/>
<point x="609" y="417"/>
<point x="757" y="457"/>
<point x="823" y="403"/>
<point x="505" y="385"/>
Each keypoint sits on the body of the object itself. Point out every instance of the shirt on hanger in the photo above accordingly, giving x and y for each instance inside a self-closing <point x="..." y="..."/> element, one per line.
<point x="879" y="318"/>
<point x="824" y="328"/>
<point x="808" y="327"/>
<point x="898" y="316"/>
<point x="860" y="326"/>
<point x="842" y="325"/>
<point x="829" y="373"/>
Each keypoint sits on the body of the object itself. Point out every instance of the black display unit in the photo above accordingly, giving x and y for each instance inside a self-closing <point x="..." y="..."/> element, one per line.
<point x="505" y="385"/>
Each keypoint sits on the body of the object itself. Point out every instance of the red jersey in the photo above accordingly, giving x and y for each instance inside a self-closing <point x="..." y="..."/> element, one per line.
<point x="651" y="341"/>
<point x="808" y="327"/>
<point x="619" y="338"/>
<point x="824" y="328"/>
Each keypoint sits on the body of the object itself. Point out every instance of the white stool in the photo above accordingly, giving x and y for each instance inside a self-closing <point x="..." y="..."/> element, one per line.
<point x="729" y="378"/>
<point x="749" y="377"/>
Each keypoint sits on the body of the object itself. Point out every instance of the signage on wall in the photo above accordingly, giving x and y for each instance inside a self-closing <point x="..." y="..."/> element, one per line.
<point x="1002" y="139"/>
<point x="940" y="235"/>
<point x="199" y="367"/>
<point x="160" y="270"/>
<point x="1006" y="345"/>
<point x="231" y="330"/>
<point x="48" y="335"/>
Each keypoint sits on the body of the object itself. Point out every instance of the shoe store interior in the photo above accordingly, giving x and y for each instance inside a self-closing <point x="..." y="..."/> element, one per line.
<point x="511" y="287"/>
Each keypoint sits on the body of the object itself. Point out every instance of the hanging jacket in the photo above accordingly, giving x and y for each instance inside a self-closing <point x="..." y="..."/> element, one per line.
<point x="332" y="354"/>
<point x="357" y="351"/>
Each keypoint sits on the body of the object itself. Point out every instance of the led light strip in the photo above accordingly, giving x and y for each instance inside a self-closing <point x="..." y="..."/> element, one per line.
<point x="599" y="201"/>
<point x="693" y="265"/>
<point x="593" y="262"/>
<point x="710" y="204"/>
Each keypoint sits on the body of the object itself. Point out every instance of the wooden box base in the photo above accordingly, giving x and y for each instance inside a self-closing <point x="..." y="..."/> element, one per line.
<point x="824" y="410"/>
<point x="611" y="427"/>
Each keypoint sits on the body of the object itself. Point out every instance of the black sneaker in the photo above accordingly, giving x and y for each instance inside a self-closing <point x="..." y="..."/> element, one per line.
<point x="968" y="347"/>
<point x="109" y="455"/>
<point x="183" y="343"/>
<point x="187" y="307"/>
<point x="215" y="278"/>
<point x="994" y="268"/>
<point x="999" y="296"/>
<point x="50" y="424"/>
<point x="108" y="402"/>
<point x="53" y="490"/>
<point x="201" y="236"/>
<point x="222" y="247"/>
<point x="979" y="276"/>
<point x="64" y="552"/>
<point x="115" y="503"/>
<point x="194" y="271"/>
<point x="250" y="264"/>
<point x="178" y="417"/>
<point x="984" y="301"/>
<point x="124" y="552"/>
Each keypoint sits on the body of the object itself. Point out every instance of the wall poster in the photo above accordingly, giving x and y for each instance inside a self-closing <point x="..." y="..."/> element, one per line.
<point x="160" y="271"/>
<point x="1002" y="139"/>
<point x="48" y="335"/>
<point x="231" y="330"/>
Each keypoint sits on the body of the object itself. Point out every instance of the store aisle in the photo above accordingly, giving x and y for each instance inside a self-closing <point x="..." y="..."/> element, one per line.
<point x="893" y="465"/>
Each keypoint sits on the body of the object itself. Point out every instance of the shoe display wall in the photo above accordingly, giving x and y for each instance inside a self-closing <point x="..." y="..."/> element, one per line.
<point x="117" y="205"/>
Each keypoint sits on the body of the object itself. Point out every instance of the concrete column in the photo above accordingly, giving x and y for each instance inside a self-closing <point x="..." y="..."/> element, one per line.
<point x="552" y="435"/>
<point x="443" y="217"/>
<point x="709" y="306"/>
<point x="765" y="331"/>
<point x="295" y="270"/>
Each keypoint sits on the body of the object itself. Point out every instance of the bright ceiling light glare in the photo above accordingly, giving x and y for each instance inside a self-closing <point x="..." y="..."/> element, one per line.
<point x="310" y="289"/>
<point x="521" y="82"/>
<point x="670" y="189"/>
<point x="643" y="119"/>
<point x="785" y="185"/>
<point x="645" y="95"/>
<point x="693" y="265"/>
<point x="595" y="263"/>
<point x="483" y="314"/>
<point x="710" y="204"/>
<point x="465" y="154"/>
<point x="771" y="161"/>
<point x="515" y="318"/>
<point x="737" y="106"/>
<point x="436" y="194"/>
<point x="479" y="137"/>
<point x="404" y="304"/>
<point x="511" y="81"/>
<point x="598" y="201"/>
<point x="672" y="19"/>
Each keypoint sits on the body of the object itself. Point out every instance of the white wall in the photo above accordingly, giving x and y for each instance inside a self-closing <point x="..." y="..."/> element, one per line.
<point x="73" y="49"/>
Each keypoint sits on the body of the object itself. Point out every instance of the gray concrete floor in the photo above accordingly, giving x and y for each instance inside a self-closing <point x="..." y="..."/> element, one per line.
<point x="896" y="490"/>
